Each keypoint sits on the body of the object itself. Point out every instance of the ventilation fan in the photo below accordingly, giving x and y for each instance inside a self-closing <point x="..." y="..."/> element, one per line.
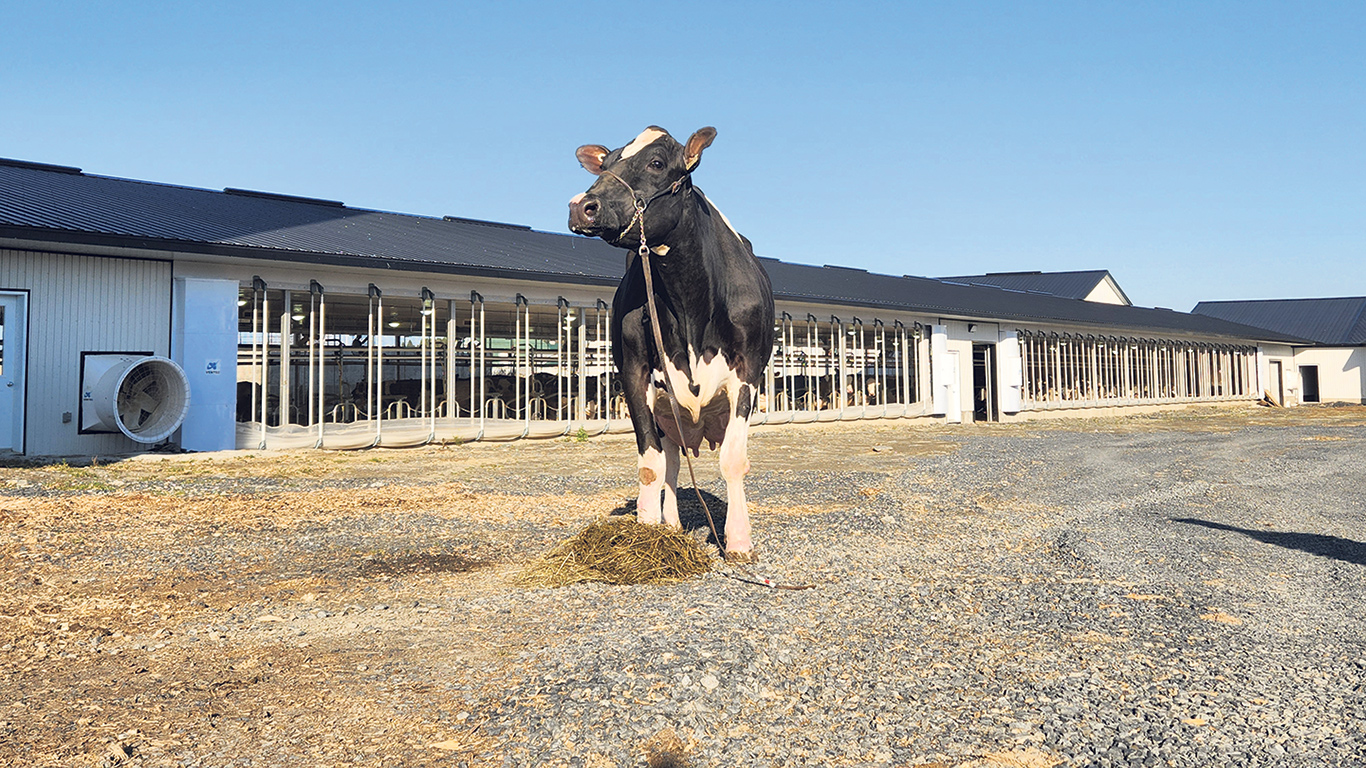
<point x="140" y="395"/>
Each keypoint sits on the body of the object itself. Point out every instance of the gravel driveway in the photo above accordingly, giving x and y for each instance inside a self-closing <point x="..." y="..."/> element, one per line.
<point x="1180" y="590"/>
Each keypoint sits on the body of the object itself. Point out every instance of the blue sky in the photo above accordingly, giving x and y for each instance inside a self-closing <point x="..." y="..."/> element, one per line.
<point x="1207" y="150"/>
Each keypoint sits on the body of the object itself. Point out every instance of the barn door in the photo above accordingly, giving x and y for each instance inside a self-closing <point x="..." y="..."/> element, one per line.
<point x="1309" y="383"/>
<point x="13" y="355"/>
<point x="1011" y="373"/>
<point x="984" y="406"/>
<point x="944" y="374"/>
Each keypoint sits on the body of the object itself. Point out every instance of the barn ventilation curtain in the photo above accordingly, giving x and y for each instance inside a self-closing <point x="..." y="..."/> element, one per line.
<point x="1083" y="370"/>
<point x="379" y="366"/>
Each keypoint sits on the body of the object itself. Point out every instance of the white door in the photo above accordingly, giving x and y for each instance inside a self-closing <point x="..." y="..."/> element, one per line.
<point x="13" y="328"/>
<point x="944" y="400"/>
<point x="953" y="400"/>
<point x="1011" y="372"/>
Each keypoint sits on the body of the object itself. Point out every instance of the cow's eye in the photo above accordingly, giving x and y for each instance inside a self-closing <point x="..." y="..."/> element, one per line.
<point x="657" y="165"/>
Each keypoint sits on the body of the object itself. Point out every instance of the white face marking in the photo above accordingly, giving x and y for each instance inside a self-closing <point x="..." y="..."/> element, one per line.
<point x="641" y="142"/>
<point x="661" y="250"/>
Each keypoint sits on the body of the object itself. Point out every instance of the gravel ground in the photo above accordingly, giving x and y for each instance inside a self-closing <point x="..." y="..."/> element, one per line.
<point x="1179" y="590"/>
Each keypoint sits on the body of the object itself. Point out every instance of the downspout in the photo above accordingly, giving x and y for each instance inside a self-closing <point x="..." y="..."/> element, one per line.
<point x="562" y="360"/>
<point x="475" y="296"/>
<point x="813" y="388"/>
<point x="605" y="381"/>
<point x="259" y="285"/>
<point x="429" y="375"/>
<point x="522" y="392"/>
<point x="316" y="289"/>
<point x="376" y="392"/>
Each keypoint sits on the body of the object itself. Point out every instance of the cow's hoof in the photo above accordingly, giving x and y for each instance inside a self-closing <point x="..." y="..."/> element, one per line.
<point x="742" y="558"/>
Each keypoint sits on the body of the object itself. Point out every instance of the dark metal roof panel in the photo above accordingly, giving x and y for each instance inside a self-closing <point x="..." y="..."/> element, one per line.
<point x="1070" y="285"/>
<point x="43" y="203"/>
<point x="1333" y="321"/>
<point x="931" y="296"/>
<point x="120" y="207"/>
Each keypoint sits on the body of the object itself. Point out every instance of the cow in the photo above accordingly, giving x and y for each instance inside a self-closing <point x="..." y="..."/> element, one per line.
<point x="715" y="307"/>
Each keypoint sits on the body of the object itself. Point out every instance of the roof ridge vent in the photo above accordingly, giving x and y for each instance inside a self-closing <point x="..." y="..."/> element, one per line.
<point x="850" y="269"/>
<point x="39" y="166"/>
<point x="283" y="198"/>
<point x="483" y="223"/>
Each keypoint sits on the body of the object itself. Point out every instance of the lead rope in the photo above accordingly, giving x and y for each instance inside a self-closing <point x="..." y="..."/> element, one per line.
<point x="644" y="253"/>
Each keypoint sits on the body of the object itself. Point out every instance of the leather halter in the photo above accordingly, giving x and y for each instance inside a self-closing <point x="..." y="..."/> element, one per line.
<point x="641" y="204"/>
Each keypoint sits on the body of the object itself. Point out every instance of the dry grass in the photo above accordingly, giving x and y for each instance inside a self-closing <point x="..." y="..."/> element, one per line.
<point x="619" y="550"/>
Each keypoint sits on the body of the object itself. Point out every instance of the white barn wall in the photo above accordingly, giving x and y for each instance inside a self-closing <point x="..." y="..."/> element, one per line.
<point x="79" y="304"/>
<point x="1288" y="386"/>
<point x="1342" y="372"/>
<point x="962" y="334"/>
<point x="1106" y="292"/>
<point x="355" y="281"/>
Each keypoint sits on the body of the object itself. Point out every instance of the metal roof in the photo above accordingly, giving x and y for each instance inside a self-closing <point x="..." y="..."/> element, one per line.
<point x="1077" y="284"/>
<point x="62" y="205"/>
<point x="1334" y="322"/>
<point x="58" y="204"/>
<point x="856" y="287"/>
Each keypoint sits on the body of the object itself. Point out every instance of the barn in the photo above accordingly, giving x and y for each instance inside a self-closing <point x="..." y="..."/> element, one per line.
<point x="1087" y="285"/>
<point x="136" y="314"/>
<point x="1330" y="367"/>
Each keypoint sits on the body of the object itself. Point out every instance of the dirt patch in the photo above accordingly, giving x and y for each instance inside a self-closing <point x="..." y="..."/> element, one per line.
<point x="419" y="563"/>
<point x="136" y="624"/>
<point x="308" y="608"/>
<point x="1202" y="418"/>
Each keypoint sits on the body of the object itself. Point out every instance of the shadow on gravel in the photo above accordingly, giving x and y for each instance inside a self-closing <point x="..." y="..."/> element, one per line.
<point x="690" y="513"/>
<point x="1346" y="550"/>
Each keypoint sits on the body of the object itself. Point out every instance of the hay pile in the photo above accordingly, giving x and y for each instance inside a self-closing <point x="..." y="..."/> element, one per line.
<point x="619" y="550"/>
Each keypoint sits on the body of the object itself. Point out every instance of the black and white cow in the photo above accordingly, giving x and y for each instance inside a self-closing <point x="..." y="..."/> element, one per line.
<point x="715" y="309"/>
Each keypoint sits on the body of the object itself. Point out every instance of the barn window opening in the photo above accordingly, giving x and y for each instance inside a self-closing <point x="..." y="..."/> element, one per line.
<point x="320" y="367"/>
<point x="1073" y="370"/>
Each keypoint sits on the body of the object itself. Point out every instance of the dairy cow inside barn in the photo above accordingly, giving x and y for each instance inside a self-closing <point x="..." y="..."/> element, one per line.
<point x="715" y="310"/>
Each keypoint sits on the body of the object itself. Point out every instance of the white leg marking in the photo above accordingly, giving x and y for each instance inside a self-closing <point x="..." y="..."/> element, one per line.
<point x="671" y="483"/>
<point x="652" y="469"/>
<point x="734" y="467"/>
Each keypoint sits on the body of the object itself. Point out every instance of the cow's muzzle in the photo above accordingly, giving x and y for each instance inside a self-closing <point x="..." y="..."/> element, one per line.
<point x="583" y="215"/>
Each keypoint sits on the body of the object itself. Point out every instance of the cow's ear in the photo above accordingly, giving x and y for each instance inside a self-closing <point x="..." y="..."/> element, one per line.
<point x="591" y="156"/>
<point x="700" y="140"/>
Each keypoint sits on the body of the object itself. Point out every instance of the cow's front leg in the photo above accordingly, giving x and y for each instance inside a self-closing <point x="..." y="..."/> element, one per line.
<point x="651" y="464"/>
<point x="671" y="483"/>
<point x="734" y="466"/>
<point x="652" y="469"/>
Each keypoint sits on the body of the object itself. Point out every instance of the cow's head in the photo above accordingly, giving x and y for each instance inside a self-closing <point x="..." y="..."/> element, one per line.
<point x="654" y="167"/>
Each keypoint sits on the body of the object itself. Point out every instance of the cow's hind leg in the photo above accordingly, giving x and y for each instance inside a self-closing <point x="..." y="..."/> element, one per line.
<point x="734" y="466"/>
<point x="671" y="483"/>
